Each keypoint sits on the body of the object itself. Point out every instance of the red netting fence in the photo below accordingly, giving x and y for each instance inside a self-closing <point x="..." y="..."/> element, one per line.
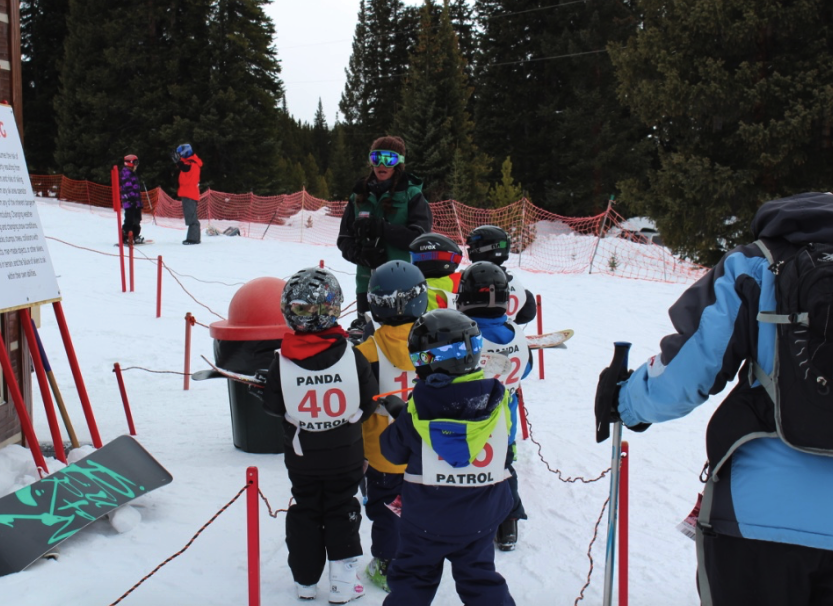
<point x="542" y="241"/>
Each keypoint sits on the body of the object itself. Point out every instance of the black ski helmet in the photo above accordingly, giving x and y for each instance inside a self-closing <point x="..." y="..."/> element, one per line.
<point x="435" y="255"/>
<point x="488" y="243"/>
<point x="311" y="300"/>
<point x="484" y="290"/>
<point x="446" y="341"/>
<point x="397" y="293"/>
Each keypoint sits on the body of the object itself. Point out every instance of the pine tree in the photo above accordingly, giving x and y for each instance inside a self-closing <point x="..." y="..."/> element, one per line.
<point x="237" y="131"/>
<point x="433" y="119"/>
<point x="505" y="192"/>
<point x="43" y="29"/>
<point x="375" y="71"/>
<point x="738" y="95"/>
<point x="321" y="137"/>
<point x="341" y="172"/>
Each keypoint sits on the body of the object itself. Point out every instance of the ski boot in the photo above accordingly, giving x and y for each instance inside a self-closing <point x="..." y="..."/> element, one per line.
<point x="377" y="572"/>
<point x="306" y="592"/>
<point x="345" y="585"/>
<point x="507" y="534"/>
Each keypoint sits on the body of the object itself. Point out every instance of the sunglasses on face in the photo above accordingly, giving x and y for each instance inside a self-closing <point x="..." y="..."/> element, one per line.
<point x="304" y="309"/>
<point x="387" y="158"/>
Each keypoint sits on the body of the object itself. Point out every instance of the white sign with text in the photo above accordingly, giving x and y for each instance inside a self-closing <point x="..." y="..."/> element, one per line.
<point x="26" y="273"/>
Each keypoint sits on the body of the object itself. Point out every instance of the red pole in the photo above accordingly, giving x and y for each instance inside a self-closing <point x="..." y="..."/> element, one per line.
<point x="321" y="264"/>
<point x="540" y="332"/>
<point x="189" y="322"/>
<point x="22" y="413"/>
<point x="522" y="415"/>
<point x="120" y="379"/>
<point x="159" y="286"/>
<point x="114" y="188"/>
<point x="76" y="373"/>
<point x="623" y="527"/>
<point x="130" y="240"/>
<point x="253" y="526"/>
<point x="43" y="382"/>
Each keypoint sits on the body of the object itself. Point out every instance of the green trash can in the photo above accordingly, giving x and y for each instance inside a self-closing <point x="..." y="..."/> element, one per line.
<point x="246" y="343"/>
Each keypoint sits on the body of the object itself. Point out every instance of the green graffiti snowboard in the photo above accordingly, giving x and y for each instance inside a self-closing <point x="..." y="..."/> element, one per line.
<point x="36" y="518"/>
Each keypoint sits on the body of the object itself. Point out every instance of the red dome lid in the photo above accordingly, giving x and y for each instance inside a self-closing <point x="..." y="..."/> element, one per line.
<point x="254" y="313"/>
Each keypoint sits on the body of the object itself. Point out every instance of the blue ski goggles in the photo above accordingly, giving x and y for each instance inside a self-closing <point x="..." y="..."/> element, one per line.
<point x="385" y="157"/>
<point x="452" y="351"/>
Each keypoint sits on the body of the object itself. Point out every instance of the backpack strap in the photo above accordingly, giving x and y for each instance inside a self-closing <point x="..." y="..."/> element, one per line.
<point x="755" y="371"/>
<point x="771" y="317"/>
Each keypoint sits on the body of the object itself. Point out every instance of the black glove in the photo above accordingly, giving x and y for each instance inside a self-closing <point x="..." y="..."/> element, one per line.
<point x="352" y="253"/>
<point x="393" y="404"/>
<point x="372" y="256"/>
<point x="608" y="391"/>
<point x="368" y="227"/>
<point x="175" y="156"/>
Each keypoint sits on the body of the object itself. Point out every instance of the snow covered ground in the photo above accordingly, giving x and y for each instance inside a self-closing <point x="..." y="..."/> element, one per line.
<point x="190" y="433"/>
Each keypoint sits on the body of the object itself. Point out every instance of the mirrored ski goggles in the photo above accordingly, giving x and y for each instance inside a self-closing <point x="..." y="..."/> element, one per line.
<point x="384" y="157"/>
<point x="452" y="351"/>
<point x="436" y="255"/>
<point x="304" y="309"/>
<point x="488" y="247"/>
<point x="398" y="299"/>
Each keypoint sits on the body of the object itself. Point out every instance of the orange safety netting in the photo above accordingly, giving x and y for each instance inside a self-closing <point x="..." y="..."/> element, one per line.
<point x="542" y="241"/>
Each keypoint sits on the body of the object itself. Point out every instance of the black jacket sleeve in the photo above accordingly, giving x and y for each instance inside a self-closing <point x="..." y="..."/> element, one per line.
<point x="273" y="403"/>
<point x="420" y="221"/>
<point x="346" y="241"/>
<point x="368" y="386"/>
<point x="528" y="312"/>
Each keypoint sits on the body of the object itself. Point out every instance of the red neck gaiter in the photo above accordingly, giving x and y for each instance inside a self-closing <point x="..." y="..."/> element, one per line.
<point x="299" y="346"/>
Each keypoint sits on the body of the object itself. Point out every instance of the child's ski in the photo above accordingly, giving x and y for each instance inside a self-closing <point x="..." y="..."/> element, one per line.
<point x="549" y="339"/>
<point x="217" y="372"/>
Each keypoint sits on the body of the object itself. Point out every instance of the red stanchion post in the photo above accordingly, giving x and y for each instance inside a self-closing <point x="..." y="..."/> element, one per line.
<point x="189" y="322"/>
<point x="159" y="286"/>
<point x="22" y="413"/>
<point x="114" y="188"/>
<point x="321" y="264"/>
<point x="253" y="527"/>
<point x="40" y="372"/>
<point x="522" y="414"/>
<point x="128" y="414"/>
<point x="623" y="528"/>
<point x="76" y="374"/>
<point x="130" y="241"/>
<point x="540" y="332"/>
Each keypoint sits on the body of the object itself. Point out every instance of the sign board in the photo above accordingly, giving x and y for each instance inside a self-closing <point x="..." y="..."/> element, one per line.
<point x="26" y="273"/>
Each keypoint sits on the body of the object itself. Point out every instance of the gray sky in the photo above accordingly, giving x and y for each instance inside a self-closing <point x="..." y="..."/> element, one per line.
<point x="314" y="39"/>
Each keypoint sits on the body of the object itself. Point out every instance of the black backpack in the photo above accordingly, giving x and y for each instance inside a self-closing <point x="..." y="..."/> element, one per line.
<point x="801" y="382"/>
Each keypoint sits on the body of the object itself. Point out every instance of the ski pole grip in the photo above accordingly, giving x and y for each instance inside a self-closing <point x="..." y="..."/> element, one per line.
<point x="606" y="390"/>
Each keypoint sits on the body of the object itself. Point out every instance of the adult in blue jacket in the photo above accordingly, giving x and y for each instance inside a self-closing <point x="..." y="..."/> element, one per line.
<point x="765" y="532"/>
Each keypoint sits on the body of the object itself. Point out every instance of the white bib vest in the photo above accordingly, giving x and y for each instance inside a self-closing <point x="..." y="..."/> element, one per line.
<point x="489" y="467"/>
<point x="319" y="400"/>
<point x="517" y="351"/>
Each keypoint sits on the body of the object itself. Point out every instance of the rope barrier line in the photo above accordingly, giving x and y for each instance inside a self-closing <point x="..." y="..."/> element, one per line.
<point x="181" y="551"/>
<point x="589" y="554"/>
<point x="558" y="472"/>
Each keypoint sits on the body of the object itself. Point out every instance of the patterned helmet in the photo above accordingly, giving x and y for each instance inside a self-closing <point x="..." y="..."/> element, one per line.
<point x="311" y="300"/>
<point x="397" y="293"/>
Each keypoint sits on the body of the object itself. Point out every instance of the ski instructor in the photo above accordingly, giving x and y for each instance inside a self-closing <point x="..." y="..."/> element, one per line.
<point x="189" y="166"/>
<point x="765" y="530"/>
<point x="386" y="212"/>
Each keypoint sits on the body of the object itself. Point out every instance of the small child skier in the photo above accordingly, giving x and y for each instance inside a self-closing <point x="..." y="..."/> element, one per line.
<point x="491" y="243"/>
<point x="454" y="438"/>
<point x="323" y="388"/>
<point x="484" y="296"/>
<point x="438" y="258"/>
<point x="397" y="295"/>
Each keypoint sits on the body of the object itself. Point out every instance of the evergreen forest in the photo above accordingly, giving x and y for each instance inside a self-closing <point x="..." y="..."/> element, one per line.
<point x="690" y="112"/>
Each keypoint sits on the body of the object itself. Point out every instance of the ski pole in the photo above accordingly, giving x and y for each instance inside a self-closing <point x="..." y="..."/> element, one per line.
<point x="619" y="368"/>
<point x="150" y="204"/>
